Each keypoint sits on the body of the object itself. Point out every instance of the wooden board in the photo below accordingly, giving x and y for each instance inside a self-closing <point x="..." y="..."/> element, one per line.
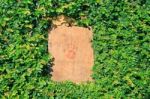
<point x="73" y="54"/>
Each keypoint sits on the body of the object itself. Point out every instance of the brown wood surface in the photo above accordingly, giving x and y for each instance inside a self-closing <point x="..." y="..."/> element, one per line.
<point x="73" y="54"/>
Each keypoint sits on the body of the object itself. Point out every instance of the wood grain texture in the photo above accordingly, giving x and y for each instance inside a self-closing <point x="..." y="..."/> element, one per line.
<point x="72" y="50"/>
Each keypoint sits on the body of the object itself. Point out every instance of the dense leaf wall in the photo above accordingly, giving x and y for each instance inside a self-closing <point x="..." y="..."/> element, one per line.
<point x="121" y="48"/>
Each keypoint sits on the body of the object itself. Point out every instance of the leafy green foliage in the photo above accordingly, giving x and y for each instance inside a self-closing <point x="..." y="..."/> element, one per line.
<point x="121" y="47"/>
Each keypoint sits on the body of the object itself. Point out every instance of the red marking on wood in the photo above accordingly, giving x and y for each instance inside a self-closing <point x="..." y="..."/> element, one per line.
<point x="70" y="54"/>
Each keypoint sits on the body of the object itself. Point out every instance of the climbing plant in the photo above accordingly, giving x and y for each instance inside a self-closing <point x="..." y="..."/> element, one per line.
<point x="121" y="43"/>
